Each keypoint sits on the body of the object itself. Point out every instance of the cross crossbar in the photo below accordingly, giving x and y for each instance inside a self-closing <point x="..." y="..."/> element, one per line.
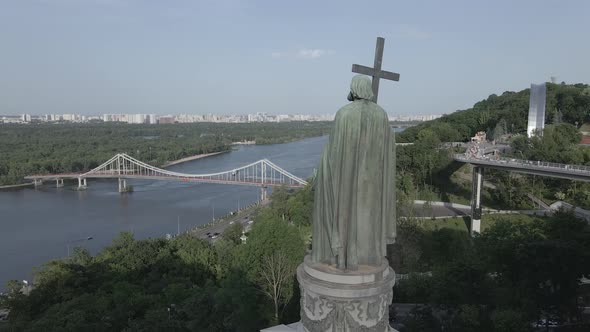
<point x="376" y="71"/>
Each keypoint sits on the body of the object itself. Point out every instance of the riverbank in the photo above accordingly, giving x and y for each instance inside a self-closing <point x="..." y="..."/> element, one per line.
<point x="12" y="186"/>
<point x="244" y="143"/>
<point x="195" y="157"/>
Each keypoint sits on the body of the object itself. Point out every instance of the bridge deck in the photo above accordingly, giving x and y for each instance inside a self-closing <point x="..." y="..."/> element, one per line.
<point x="269" y="182"/>
<point x="122" y="166"/>
<point x="563" y="171"/>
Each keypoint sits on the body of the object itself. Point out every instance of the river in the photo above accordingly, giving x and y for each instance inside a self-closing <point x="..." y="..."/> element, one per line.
<point x="38" y="225"/>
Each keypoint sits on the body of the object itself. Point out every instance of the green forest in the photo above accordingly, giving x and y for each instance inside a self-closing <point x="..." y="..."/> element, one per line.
<point x="428" y="172"/>
<point x="182" y="284"/>
<point x="521" y="270"/>
<point x="508" y="114"/>
<point x="61" y="148"/>
<point x="520" y="274"/>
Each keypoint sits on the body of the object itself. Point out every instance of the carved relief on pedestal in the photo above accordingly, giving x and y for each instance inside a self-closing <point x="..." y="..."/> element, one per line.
<point x="324" y="313"/>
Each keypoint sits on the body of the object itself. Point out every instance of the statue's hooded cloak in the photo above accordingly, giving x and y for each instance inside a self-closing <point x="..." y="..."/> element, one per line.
<point x="354" y="208"/>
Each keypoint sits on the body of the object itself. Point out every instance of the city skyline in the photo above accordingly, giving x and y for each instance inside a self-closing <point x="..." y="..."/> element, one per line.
<point x="230" y="56"/>
<point x="141" y="118"/>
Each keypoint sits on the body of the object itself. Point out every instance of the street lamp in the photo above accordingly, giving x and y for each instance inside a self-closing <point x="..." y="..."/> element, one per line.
<point x="75" y="241"/>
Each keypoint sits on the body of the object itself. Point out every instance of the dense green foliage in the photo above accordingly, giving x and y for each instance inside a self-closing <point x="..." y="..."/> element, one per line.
<point x="565" y="103"/>
<point x="518" y="271"/>
<point x="62" y="148"/>
<point x="425" y="168"/>
<point x="182" y="284"/>
<point x="521" y="269"/>
<point x="559" y="143"/>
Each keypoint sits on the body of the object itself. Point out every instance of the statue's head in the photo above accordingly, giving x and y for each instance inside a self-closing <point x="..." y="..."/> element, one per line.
<point x="360" y="88"/>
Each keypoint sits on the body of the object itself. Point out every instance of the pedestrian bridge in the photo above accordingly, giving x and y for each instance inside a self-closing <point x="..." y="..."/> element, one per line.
<point x="261" y="173"/>
<point x="542" y="168"/>
<point x="533" y="167"/>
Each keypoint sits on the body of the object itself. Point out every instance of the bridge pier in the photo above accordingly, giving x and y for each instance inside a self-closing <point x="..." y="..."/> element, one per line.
<point x="123" y="185"/>
<point x="263" y="193"/>
<point x="82" y="184"/>
<point x="476" y="186"/>
<point x="37" y="182"/>
<point x="59" y="183"/>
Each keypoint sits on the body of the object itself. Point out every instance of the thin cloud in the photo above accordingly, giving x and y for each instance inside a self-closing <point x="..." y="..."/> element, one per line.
<point x="307" y="53"/>
<point x="303" y="53"/>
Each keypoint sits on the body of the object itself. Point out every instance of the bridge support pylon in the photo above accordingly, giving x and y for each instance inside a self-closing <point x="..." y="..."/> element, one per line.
<point x="82" y="184"/>
<point x="123" y="185"/>
<point x="37" y="182"/>
<point x="476" y="187"/>
<point x="59" y="183"/>
<point x="263" y="193"/>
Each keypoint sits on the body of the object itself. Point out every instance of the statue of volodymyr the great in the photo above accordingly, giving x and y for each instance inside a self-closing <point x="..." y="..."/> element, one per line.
<point x="354" y="207"/>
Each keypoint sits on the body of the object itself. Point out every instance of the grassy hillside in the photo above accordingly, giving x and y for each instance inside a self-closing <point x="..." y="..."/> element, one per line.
<point x="508" y="113"/>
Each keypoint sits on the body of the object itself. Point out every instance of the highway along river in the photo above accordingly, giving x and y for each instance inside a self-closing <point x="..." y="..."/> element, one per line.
<point x="38" y="225"/>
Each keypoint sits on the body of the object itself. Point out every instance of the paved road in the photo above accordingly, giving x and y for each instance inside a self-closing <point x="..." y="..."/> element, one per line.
<point x="242" y="217"/>
<point x="419" y="212"/>
<point x="439" y="211"/>
<point x="246" y="215"/>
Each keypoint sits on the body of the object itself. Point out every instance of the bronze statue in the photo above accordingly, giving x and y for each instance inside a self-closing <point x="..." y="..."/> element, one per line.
<point x="354" y="208"/>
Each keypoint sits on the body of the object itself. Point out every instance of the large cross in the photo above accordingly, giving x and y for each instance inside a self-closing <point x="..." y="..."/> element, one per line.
<point x="376" y="72"/>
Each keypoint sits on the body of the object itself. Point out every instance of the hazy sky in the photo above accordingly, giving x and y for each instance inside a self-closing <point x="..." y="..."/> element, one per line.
<point x="237" y="56"/>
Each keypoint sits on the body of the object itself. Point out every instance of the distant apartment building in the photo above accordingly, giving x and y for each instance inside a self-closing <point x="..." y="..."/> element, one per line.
<point x="406" y="118"/>
<point x="136" y="118"/>
<point x="11" y="119"/>
<point x="166" y="120"/>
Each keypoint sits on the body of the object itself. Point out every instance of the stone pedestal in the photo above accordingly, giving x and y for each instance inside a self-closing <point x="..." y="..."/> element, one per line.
<point x="334" y="300"/>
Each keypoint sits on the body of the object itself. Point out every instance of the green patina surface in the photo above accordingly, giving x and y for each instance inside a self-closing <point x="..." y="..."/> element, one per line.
<point x="354" y="208"/>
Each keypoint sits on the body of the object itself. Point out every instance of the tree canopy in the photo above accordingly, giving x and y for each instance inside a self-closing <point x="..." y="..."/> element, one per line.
<point x="181" y="284"/>
<point x="38" y="148"/>
<point x="565" y="103"/>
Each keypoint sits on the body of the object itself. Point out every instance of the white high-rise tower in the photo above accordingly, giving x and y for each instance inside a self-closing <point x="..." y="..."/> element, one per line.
<point x="537" y="109"/>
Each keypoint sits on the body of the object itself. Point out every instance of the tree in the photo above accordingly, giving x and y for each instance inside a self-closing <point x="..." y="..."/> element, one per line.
<point x="275" y="274"/>
<point x="233" y="233"/>
<point x="270" y="235"/>
<point x="509" y="320"/>
<point x="421" y="319"/>
<point x="406" y="252"/>
<point x="238" y="301"/>
<point x="500" y="130"/>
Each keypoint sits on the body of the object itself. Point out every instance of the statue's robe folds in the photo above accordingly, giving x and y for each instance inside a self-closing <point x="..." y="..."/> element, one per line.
<point x="354" y="208"/>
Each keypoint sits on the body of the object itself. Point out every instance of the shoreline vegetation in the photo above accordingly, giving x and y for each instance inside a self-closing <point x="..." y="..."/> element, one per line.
<point x="191" y="158"/>
<point x="40" y="148"/>
<point x="205" y="155"/>
<point x="13" y="186"/>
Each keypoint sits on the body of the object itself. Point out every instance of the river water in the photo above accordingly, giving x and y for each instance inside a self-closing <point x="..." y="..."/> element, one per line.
<point x="37" y="225"/>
